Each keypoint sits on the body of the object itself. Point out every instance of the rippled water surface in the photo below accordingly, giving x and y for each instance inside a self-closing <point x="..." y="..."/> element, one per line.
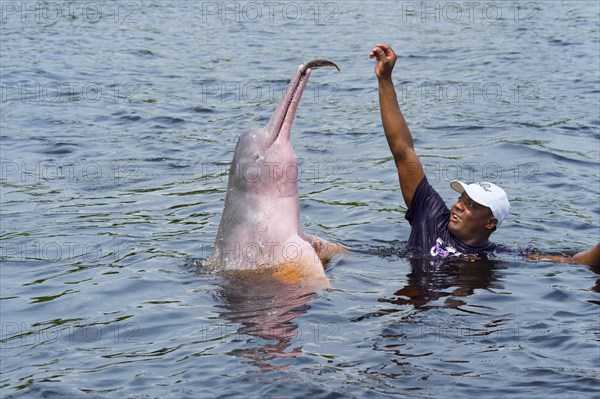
<point x="119" y="121"/>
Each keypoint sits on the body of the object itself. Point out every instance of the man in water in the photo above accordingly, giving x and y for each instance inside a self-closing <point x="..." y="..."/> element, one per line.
<point x="465" y="228"/>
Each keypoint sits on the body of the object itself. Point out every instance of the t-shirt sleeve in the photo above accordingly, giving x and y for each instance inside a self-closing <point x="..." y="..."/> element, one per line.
<point x="426" y="203"/>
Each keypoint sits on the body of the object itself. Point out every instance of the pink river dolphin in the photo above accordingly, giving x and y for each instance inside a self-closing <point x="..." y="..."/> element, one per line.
<point x="260" y="227"/>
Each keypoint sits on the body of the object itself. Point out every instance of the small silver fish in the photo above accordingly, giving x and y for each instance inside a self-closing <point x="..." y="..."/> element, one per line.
<point x="317" y="64"/>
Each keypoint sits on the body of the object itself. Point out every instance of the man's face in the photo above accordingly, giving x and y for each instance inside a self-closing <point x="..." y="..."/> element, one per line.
<point x="470" y="222"/>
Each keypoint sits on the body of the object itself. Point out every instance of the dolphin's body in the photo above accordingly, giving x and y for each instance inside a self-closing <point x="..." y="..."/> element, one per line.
<point x="260" y="226"/>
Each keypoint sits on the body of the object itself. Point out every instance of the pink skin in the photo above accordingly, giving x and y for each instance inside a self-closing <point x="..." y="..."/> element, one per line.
<point x="470" y="222"/>
<point x="260" y="225"/>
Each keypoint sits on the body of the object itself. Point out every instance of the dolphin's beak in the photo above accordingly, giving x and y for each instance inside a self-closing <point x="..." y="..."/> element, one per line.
<point x="280" y="125"/>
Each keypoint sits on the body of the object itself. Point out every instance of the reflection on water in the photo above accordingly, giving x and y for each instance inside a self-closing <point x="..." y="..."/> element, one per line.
<point x="431" y="279"/>
<point x="103" y="197"/>
<point x="263" y="307"/>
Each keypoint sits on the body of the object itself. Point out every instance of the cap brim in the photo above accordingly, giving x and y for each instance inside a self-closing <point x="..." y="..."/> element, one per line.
<point x="461" y="187"/>
<point x="458" y="186"/>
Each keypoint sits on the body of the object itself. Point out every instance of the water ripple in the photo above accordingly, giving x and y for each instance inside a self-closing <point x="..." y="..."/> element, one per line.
<point x="117" y="134"/>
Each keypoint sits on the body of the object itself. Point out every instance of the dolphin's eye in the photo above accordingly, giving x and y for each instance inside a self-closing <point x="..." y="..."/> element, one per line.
<point x="257" y="156"/>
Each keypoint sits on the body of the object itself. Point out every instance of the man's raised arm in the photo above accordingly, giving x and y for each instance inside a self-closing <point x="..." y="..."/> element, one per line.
<point x="397" y="133"/>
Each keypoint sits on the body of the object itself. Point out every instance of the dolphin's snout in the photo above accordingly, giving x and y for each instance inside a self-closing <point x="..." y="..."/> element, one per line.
<point x="317" y="64"/>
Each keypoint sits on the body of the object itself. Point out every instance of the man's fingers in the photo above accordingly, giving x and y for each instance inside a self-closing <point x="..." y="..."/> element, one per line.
<point x="386" y="49"/>
<point x="383" y="52"/>
<point x="375" y="51"/>
<point x="379" y="53"/>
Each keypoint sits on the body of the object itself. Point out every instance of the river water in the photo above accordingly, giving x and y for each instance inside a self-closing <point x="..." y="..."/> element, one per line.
<point x="119" y="121"/>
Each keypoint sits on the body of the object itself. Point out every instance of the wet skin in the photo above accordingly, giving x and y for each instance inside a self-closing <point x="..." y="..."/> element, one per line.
<point x="260" y="226"/>
<point x="471" y="222"/>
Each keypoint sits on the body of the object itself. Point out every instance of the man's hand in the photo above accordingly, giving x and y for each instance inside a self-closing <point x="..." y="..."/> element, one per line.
<point x="386" y="59"/>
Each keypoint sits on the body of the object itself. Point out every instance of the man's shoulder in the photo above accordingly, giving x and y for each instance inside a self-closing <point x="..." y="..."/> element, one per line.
<point x="426" y="201"/>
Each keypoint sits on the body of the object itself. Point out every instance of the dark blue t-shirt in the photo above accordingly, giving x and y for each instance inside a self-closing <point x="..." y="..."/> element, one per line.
<point x="428" y="216"/>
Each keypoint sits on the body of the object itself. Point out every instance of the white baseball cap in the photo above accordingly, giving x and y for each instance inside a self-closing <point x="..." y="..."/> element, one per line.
<point x="486" y="194"/>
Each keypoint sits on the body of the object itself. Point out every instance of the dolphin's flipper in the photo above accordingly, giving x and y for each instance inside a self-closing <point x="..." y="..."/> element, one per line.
<point x="325" y="250"/>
